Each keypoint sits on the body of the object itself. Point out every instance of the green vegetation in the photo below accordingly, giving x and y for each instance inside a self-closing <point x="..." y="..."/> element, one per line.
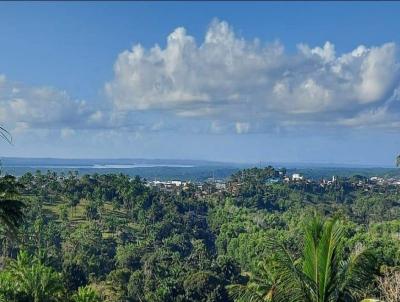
<point x="113" y="238"/>
<point x="11" y="209"/>
<point x="322" y="274"/>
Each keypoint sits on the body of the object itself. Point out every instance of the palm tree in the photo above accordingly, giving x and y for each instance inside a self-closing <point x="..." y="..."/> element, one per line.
<point x="11" y="209"/>
<point x="85" y="294"/>
<point x="4" y="134"/>
<point x="259" y="288"/>
<point x="34" y="280"/>
<point x="323" y="274"/>
<point x="7" y="287"/>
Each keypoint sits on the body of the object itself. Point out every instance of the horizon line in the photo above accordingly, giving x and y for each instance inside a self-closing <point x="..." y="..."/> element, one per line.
<point x="255" y="164"/>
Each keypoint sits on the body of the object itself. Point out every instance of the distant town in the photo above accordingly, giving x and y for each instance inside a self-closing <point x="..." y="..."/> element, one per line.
<point x="212" y="185"/>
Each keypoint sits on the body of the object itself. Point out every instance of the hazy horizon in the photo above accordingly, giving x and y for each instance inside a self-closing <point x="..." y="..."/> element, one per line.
<point x="205" y="161"/>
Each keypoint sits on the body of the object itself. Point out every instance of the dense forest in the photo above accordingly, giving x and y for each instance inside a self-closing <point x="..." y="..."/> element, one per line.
<point x="111" y="237"/>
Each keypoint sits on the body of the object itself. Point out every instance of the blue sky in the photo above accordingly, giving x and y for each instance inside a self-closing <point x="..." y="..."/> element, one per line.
<point x="241" y="81"/>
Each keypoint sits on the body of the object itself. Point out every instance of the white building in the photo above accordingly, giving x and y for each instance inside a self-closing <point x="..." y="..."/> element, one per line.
<point x="220" y="186"/>
<point x="297" y="176"/>
<point x="177" y="183"/>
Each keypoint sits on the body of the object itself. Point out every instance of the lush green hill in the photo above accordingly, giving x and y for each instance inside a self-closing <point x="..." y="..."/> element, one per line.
<point x="114" y="238"/>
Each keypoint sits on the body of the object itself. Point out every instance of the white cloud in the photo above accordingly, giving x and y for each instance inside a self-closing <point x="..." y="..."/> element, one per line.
<point x="221" y="83"/>
<point x="228" y="78"/>
<point x="67" y="132"/>
<point x="25" y="107"/>
<point x="326" y="53"/>
<point x="96" y="117"/>
<point x="217" y="127"/>
<point x="370" y="117"/>
<point x="20" y="127"/>
<point x="385" y="116"/>
<point x="378" y="73"/>
<point x="242" y="127"/>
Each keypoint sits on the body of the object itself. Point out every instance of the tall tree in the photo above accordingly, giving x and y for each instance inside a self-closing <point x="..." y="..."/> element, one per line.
<point x="85" y="294"/>
<point x="323" y="274"/>
<point x="33" y="281"/>
<point x="11" y="209"/>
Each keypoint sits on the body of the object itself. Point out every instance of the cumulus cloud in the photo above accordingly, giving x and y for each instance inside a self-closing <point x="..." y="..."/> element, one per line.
<point x="23" y="108"/>
<point x="67" y="132"/>
<point x="242" y="128"/>
<point x="225" y="77"/>
<point x="36" y="109"/>
<point x="384" y="116"/>
<point x="221" y="83"/>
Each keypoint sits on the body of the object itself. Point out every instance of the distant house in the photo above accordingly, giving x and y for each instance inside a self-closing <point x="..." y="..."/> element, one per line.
<point x="272" y="180"/>
<point x="176" y="183"/>
<point x="220" y="186"/>
<point x="297" y="176"/>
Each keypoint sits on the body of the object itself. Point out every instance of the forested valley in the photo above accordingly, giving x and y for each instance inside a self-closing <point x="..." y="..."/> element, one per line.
<point x="113" y="238"/>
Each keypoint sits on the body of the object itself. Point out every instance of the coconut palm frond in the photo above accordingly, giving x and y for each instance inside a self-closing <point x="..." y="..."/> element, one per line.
<point x="291" y="281"/>
<point x="249" y="292"/>
<point x="259" y="288"/>
<point x="11" y="208"/>
<point x="357" y="271"/>
<point x="322" y="275"/>
<point x="4" y="134"/>
<point x="328" y="256"/>
<point x="11" y="214"/>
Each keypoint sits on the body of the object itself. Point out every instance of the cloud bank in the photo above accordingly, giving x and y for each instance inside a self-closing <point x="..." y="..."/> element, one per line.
<point x="228" y="79"/>
<point x="24" y="108"/>
<point x="223" y="83"/>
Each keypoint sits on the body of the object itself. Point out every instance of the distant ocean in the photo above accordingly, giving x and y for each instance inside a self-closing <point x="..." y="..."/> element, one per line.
<point x="97" y="166"/>
<point x="147" y="168"/>
<point x="167" y="169"/>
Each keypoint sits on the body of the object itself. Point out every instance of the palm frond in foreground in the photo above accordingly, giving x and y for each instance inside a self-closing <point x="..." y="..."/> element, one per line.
<point x="325" y="273"/>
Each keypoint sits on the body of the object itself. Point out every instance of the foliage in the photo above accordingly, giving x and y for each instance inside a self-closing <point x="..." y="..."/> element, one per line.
<point x="11" y="208"/>
<point x="31" y="280"/>
<point x="325" y="274"/>
<point x="113" y="238"/>
<point x="389" y="284"/>
<point x="85" y="294"/>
